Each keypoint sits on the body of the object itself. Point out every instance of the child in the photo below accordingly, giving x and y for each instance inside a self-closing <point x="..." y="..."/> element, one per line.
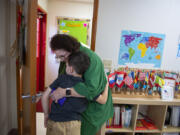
<point x="65" y="119"/>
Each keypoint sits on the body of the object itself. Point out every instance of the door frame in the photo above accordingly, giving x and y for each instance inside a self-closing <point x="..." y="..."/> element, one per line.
<point x="94" y="24"/>
<point x="41" y="59"/>
<point x="43" y="37"/>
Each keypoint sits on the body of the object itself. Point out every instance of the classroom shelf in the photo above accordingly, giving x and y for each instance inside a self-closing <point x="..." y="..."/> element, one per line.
<point x="117" y="130"/>
<point x="156" y="110"/>
<point x="170" y="129"/>
<point x="148" y="131"/>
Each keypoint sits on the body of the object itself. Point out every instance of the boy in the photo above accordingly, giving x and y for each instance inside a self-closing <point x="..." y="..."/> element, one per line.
<point x="65" y="119"/>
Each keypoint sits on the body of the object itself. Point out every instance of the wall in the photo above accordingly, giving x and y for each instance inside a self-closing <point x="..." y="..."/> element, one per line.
<point x="8" y="103"/>
<point x="154" y="16"/>
<point x="12" y="66"/>
<point x="43" y="4"/>
<point x="65" y="9"/>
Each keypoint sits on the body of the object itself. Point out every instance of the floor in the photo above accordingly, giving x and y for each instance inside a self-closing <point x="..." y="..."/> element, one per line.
<point x="40" y="130"/>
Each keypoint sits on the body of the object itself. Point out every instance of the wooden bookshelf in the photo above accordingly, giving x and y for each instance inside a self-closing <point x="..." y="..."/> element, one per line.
<point x="170" y="129"/>
<point x="117" y="99"/>
<point x="117" y="130"/>
<point x="156" y="111"/>
<point x="148" y="131"/>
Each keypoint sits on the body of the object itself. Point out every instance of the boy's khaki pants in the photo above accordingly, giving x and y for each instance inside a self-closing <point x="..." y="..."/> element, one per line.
<point x="63" y="128"/>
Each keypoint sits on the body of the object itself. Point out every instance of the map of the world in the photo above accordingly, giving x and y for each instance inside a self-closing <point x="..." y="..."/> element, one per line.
<point x="141" y="48"/>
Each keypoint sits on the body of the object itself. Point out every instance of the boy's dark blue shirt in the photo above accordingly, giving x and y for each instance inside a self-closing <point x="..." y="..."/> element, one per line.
<point x="73" y="106"/>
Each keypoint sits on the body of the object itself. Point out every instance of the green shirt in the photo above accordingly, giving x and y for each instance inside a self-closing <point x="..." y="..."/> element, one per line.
<point x="94" y="83"/>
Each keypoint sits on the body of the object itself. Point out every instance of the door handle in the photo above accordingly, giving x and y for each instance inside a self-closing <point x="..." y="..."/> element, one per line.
<point x="33" y="97"/>
<point x="26" y="96"/>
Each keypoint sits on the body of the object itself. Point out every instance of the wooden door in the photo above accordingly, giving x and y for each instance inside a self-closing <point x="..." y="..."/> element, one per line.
<point x="26" y="76"/>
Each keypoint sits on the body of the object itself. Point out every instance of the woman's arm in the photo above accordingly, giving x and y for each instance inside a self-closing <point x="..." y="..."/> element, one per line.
<point x="61" y="92"/>
<point x="45" y="105"/>
<point x="103" y="97"/>
<point x="94" y="79"/>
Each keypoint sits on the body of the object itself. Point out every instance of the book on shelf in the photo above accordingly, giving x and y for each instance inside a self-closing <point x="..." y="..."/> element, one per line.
<point x="149" y="125"/>
<point x="144" y="122"/>
<point x="122" y="117"/>
<point x="116" y="115"/>
<point x="172" y="116"/>
<point x="175" y="116"/>
<point x="139" y="125"/>
<point x="127" y="119"/>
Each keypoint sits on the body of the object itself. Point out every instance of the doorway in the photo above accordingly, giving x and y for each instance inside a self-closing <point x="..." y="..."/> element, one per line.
<point x="57" y="9"/>
<point x="40" y="54"/>
<point x="26" y="107"/>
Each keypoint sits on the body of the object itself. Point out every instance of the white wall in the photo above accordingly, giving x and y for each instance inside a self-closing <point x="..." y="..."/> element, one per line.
<point x="57" y="8"/>
<point x="12" y="65"/>
<point x="154" y="16"/>
<point x="8" y="102"/>
<point x="43" y="4"/>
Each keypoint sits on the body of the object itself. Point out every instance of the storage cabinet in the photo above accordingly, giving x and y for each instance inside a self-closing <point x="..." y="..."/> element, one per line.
<point x="156" y="111"/>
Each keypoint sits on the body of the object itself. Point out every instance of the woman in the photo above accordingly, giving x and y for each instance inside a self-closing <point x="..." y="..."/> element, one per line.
<point x="95" y="81"/>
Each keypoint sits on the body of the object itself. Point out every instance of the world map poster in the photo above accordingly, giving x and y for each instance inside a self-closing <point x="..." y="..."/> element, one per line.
<point x="141" y="48"/>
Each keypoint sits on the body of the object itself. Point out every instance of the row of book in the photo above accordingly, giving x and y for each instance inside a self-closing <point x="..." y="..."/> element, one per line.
<point x="173" y="116"/>
<point x="121" y="118"/>
<point x="123" y="113"/>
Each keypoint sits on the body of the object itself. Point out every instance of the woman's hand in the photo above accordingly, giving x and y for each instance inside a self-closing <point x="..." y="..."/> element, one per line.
<point x="58" y="93"/>
<point x="104" y="96"/>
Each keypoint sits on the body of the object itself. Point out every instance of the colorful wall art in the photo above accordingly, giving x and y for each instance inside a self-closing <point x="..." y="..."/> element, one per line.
<point x="141" y="48"/>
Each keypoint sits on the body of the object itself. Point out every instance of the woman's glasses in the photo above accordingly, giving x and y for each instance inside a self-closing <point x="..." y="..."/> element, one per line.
<point x="60" y="57"/>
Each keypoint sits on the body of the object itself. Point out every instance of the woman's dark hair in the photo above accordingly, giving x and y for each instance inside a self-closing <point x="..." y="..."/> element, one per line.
<point x="79" y="61"/>
<point x="65" y="42"/>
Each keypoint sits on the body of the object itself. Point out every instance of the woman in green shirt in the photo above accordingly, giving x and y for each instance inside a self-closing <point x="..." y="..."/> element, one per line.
<point x="94" y="83"/>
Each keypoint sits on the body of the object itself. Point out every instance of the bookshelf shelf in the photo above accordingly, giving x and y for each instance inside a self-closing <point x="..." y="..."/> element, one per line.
<point x="117" y="99"/>
<point x="148" y="131"/>
<point x="156" y="111"/>
<point x="171" y="129"/>
<point x="117" y="130"/>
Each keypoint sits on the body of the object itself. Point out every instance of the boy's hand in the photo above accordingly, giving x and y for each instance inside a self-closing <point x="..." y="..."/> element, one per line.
<point x="45" y="120"/>
<point x="58" y="93"/>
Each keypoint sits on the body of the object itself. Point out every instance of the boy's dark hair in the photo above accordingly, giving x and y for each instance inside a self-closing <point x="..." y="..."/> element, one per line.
<point x="65" y="42"/>
<point x="79" y="61"/>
